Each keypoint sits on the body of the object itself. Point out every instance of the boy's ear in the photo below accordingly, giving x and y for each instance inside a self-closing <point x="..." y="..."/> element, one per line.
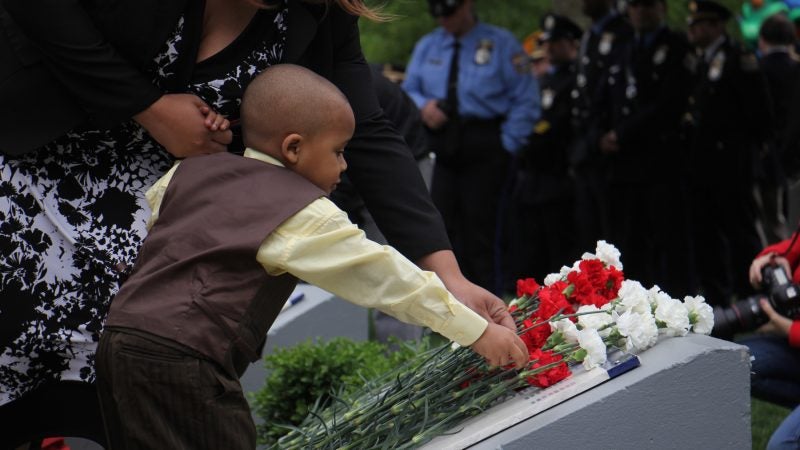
<point x="290" y="147"/>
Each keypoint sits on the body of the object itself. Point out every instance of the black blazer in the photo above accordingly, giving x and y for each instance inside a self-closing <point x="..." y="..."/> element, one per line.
<point x="89" y="55"/>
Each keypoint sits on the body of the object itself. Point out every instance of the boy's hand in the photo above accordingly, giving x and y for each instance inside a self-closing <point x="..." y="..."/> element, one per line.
<point x="214" y="121"/>
<point x="501" y="346"/>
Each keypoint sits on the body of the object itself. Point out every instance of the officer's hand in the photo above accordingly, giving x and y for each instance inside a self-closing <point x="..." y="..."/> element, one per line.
<point x="609" y="143"/>
<point x="777" y="323"/>
<point x="433" y="117"/>
<point x="758" y="265"/>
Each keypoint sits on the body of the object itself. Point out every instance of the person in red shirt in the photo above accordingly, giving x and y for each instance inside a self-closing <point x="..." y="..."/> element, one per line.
<point x="775" y="350"/>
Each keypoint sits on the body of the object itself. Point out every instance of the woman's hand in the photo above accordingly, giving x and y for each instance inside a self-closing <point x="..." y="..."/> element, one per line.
<point x="476" y="298"/>
<point x="758" y="265"/>
<point x="177" y="122"/>
<point x="777" y="323"/>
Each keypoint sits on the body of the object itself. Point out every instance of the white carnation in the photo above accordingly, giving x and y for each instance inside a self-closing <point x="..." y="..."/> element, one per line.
<point x="590" y="340"/>
<point x="595" y="318"/>
<point x="567" y="328"/>
<point x="673" y="314"/>
<point x="633" y="297"/>
<point x="553" y="277"/>
<point x="701" y="315"/>
<point x="639" y="330"/>
<point x="608" y="254"/>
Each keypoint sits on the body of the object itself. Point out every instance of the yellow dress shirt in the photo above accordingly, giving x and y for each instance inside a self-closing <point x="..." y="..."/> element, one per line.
<point x="321" y="246"/>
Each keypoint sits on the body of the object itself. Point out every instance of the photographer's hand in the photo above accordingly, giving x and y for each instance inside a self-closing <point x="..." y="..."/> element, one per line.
<point x="758" y="264"/>
<point x="777" y="322"/>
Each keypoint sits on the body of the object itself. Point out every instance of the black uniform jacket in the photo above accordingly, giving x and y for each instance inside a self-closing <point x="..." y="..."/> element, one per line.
<point x="63" y="62"/>
<point x="646" y="100"/>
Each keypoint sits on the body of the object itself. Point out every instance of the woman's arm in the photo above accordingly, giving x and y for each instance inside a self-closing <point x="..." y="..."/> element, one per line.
<point x="108" y="87"/>
<point x="387" y="177"/>
<point x="103" y="83"/>
<point x="380" y="164"/>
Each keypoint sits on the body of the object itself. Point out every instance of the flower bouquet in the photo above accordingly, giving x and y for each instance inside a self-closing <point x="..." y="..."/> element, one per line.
<point x="577" y="317"/>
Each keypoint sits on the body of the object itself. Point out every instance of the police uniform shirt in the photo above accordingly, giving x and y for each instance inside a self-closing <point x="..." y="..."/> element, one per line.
<point x="493" y="80"/>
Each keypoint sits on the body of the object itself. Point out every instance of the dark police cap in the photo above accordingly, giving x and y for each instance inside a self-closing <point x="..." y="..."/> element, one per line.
<point x="645" y="2"/>
<point x="443" y="8"/>
<point x="556" y="27"/>
<point x="700" y="10"/>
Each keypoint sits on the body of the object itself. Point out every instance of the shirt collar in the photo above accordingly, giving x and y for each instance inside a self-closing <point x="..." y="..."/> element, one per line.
<point x="449" y="39"/>
<point x="598" y="26"/>
<point x="709" y="51"/>
<point x="648" y="38"/>
<point x="255" y="154"/>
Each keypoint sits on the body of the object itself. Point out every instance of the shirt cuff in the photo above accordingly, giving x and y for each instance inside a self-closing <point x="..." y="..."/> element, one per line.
<point x="794" y="334"/>
<point x="465" y="327"/>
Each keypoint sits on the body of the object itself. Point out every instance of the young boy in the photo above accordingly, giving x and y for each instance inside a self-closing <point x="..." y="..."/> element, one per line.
<point x="230" y="236"/>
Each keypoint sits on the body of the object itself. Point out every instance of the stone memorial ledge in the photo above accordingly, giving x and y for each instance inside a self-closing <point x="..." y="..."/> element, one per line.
<point x="689" y="392"/>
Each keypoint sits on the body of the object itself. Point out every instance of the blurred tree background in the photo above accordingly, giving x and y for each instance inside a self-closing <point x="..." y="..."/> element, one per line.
<point x="393" y="41"/>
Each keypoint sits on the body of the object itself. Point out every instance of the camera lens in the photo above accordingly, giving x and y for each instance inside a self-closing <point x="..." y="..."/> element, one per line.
<point x="744" y="315"/>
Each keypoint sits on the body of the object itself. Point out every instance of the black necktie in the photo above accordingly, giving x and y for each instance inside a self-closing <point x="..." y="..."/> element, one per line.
<point x="452" y="82"/>
<point x="452" y="132"/>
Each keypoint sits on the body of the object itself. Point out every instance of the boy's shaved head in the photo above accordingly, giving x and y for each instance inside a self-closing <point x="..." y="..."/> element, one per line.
<point x="286" y="99"/>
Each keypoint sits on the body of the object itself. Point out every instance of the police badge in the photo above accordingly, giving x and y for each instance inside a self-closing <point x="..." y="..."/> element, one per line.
<point x="606" y="41"/>
<point x="547" y="98"/>
<point x="660" y="55"/>
<point x="715" y="68"/>
<point x="484" y="52"/>
<point x="630" y="91"/>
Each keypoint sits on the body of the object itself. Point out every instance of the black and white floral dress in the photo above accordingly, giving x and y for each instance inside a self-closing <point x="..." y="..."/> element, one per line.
<point x="73" y="214"/>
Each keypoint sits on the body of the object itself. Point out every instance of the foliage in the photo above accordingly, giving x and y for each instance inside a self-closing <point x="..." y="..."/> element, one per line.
<point x="307" y="373"/>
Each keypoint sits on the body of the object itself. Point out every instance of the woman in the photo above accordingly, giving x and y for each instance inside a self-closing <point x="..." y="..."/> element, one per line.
<point x="775" y="351"/>
<point x="73" y="212"/>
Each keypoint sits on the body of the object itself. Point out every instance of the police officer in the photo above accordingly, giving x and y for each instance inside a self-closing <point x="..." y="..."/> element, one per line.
<point x="646" y="163"/>
<point x="729" y="116"/>
<point x="541" y="215"/>
<point x="601" y="52"/>
<point x="479" y="102"/>
<point x="776" y="39"/>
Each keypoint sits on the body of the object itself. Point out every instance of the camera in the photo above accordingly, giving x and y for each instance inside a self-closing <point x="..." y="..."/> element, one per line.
<point x="747" y="315"/>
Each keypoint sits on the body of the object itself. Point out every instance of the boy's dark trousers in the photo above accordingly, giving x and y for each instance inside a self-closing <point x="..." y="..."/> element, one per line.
<point x="155" y="393"/>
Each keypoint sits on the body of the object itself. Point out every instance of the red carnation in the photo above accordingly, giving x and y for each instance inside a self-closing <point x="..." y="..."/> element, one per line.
<point x="595" y="272"/>
<point x="528" y="287"/>
<point x="550" y="376"/>
<point x="551" y="302"/>
<point x="614" y="279"/>
<point x="536" y="336"/>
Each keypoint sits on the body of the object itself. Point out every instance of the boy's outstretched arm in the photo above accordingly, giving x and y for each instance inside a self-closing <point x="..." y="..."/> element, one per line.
<point x="321" y="246"/>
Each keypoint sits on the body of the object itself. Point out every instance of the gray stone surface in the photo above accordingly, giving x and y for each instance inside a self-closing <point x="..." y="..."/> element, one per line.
<point x="689" y="393"/>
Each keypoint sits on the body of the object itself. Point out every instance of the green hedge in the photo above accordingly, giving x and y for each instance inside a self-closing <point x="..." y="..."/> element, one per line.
<point x="300" y="376"/>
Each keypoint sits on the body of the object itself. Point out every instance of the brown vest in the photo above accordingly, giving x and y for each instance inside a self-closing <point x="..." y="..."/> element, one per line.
<point x="196" y="280"/>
